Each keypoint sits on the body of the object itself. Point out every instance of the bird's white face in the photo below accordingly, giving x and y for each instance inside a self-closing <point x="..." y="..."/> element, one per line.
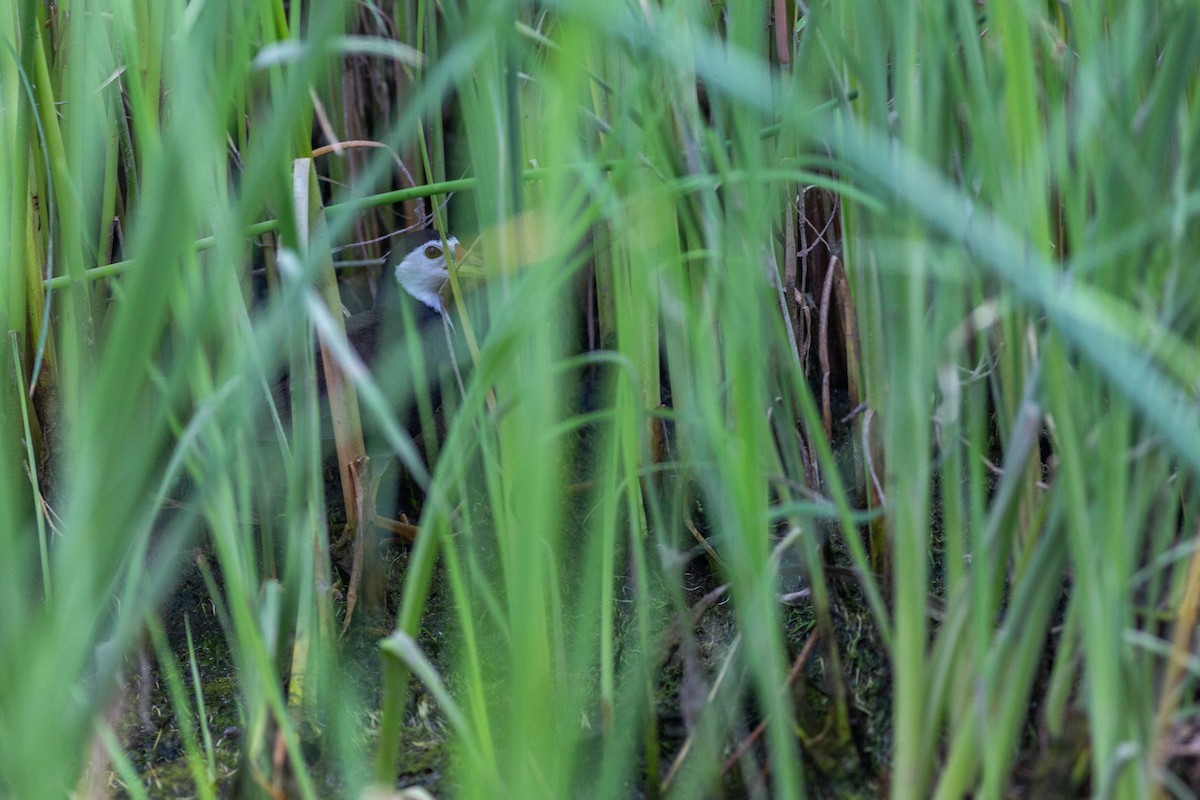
<point x="423" y="272"/>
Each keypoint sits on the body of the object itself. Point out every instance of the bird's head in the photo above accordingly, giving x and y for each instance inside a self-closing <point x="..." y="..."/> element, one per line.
<point x="421" y="267"/>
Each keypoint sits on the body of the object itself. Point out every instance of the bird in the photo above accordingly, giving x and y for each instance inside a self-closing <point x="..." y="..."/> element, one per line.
<point x="414" y="281"/>
<point x="408" y="340"/>
<point x="404" y="343"/>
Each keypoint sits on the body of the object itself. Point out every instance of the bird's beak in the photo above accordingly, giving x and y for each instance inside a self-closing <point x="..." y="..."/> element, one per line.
<point x="467" y="263"/>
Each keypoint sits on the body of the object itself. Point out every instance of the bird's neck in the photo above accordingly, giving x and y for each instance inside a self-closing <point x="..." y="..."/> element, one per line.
<point x="422" y="286"/>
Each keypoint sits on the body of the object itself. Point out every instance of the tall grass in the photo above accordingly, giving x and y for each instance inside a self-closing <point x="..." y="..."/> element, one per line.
<point x="1006" y="515"/>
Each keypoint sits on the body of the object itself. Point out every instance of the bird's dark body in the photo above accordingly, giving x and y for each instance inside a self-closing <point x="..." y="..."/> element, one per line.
<point x="378" y="336"/>
<point x="404" y="344"/>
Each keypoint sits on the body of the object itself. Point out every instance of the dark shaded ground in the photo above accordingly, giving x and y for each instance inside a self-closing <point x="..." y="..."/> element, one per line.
<point x="693" y="669"/>
<point x="690" y="666"/>
<point x="149" y="727"/>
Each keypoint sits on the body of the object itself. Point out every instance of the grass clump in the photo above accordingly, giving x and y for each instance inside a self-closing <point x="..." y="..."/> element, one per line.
<point x="826" y="424"/>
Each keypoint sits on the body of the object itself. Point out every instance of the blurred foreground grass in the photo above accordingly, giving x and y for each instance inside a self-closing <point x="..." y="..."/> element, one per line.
<point x="815" y="331"/>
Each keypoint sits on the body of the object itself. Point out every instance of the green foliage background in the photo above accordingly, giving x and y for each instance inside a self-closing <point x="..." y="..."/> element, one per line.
<point x="1015" y="195"/>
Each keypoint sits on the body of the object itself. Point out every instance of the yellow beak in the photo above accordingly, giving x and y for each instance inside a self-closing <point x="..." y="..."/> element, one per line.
<point x="467" y="263"/>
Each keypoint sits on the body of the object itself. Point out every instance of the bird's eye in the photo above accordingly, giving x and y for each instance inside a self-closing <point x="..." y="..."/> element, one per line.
<point x="433" y="251"/>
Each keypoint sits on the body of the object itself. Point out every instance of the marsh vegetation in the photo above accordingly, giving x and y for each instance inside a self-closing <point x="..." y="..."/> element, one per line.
<point x="823" y="423"/>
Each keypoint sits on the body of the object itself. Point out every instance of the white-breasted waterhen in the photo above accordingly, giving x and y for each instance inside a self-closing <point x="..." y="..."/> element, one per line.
<point x="403" y="341"/>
